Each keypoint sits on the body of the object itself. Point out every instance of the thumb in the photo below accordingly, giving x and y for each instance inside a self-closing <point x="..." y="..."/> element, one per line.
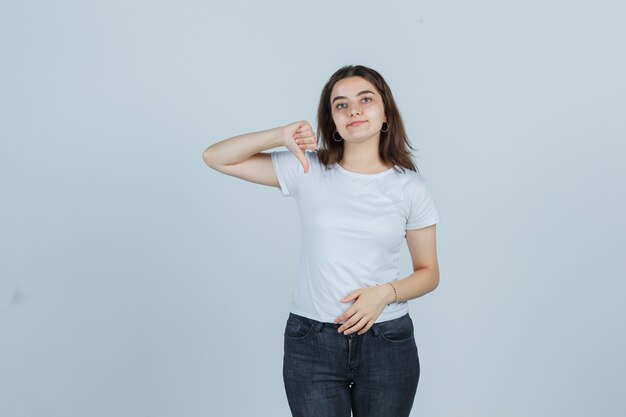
<point x="351" y="296"/>
<point x="303" y="160"/>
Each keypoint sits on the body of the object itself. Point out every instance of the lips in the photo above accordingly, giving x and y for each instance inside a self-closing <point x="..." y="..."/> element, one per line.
<point x="357" y="123"/>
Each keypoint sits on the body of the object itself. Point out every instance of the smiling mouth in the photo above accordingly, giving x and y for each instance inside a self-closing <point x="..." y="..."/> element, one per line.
<point x="353" y="124"/>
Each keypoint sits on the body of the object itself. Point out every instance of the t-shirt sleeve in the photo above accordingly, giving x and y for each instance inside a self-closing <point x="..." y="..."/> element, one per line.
<point x="289" y="171"/>
<point x="422" y="209"/>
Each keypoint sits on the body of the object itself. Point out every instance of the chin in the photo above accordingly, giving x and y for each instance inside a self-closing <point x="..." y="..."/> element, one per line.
<point x="359" y="137"/>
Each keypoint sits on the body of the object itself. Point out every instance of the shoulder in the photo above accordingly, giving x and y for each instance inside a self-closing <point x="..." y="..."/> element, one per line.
<point x="314" y="161"/>
<point x="312" y="156"/>
<point x="286" y="154"/>
<point x="411" y="179"/>
<point x="414" y="186"/>
<point x="287" y="159"/>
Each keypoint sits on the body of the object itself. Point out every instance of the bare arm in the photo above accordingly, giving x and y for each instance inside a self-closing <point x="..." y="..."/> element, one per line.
<point x="242" y="156"/>
<point x="424" y="279"/>
<point x="239" y="148"/>
<point x="422" y="245"/>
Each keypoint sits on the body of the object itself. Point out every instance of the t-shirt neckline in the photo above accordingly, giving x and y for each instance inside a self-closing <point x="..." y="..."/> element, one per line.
<point x="360" y="175"/>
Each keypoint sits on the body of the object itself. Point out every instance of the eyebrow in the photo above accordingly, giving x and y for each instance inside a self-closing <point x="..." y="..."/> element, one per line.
<point x="362" y="92"/>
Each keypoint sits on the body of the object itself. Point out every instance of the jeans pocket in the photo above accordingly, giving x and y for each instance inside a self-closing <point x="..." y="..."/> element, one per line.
<point x="297" y="327"/>
<point x="397" y="330"/>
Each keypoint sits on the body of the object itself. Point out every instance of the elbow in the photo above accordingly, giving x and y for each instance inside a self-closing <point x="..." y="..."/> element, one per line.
<point x="435" y="278"/>
<point x="435" y="281"/>
<point x="206" y="157"/>
<point x="429" y="277"/>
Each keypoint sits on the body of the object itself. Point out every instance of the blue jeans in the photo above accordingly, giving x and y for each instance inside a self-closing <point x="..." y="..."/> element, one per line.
<point x="329" y="374"/>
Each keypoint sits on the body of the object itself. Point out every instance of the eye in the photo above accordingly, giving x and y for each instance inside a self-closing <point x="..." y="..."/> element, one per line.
<point x="338" y="106"/>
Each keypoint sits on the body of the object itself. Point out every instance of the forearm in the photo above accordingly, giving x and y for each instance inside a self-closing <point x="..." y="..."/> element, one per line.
<point x="420" y="282"/>
<point x="239" y="148"/>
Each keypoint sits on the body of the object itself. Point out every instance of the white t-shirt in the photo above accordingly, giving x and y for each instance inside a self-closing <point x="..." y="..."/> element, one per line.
<point x="352" y="230"/>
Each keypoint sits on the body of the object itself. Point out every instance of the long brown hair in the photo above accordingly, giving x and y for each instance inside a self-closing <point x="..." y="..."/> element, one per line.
<point x="394" y="145"/>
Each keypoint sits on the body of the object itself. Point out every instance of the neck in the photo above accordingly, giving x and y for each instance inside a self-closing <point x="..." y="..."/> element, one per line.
<point x="362" y="157"/>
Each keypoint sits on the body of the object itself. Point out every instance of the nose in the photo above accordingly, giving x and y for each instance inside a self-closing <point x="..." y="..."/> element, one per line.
<point x="355" y="109"/>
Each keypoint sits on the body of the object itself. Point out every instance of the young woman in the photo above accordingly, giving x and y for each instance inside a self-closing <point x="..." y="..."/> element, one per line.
<point x="349" y="343"/>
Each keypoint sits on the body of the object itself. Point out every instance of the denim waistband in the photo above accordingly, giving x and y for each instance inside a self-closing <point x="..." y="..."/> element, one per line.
<point x="318" y="325"/>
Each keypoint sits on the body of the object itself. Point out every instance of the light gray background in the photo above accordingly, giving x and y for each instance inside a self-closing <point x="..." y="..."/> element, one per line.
<point x="135" y="281"/>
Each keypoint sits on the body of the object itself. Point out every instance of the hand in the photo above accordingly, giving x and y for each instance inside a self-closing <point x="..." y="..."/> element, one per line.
<point x="370" y="302"/>
<point x="298" y="137"/>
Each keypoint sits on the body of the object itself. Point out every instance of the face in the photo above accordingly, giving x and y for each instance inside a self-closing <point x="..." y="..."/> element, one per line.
<point x="355" y="99"/>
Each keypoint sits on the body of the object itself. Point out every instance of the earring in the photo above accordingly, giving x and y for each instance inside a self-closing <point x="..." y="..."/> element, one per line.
<point x="340" y="138"/>
<point x="387" y="130"/>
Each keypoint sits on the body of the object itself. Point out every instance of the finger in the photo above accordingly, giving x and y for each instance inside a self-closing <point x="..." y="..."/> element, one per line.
<point x="303" y="128"/>
<point x="303" y="161"/>
<point x="299" y="133"/>
<point x="366" y="328"/>
<point x="351" y="296"/>
<point x="306" y="136"/>
<point x="357" y="326"/>
<point x="348" y="323"/>
<point x="343" y="318"/>
<point x="303" y="142"/>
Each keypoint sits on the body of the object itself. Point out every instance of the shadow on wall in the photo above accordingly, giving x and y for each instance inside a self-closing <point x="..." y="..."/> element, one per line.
<point x="8" y="293"/>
